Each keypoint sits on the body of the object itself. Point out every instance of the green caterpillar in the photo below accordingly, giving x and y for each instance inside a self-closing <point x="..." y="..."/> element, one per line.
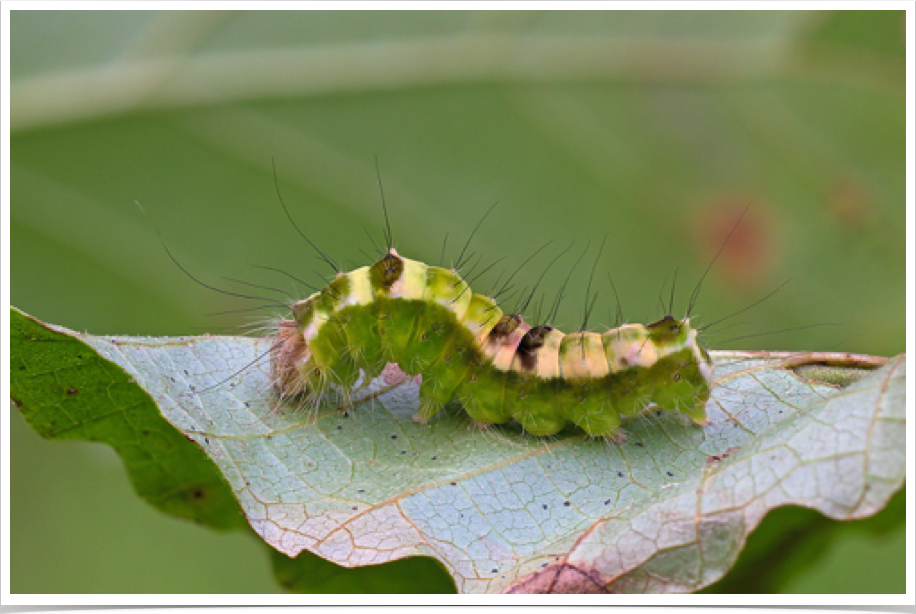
<point x="427" y="320"/>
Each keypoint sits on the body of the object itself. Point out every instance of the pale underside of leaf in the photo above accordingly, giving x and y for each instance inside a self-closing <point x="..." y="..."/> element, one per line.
<point x="667" y="510"/>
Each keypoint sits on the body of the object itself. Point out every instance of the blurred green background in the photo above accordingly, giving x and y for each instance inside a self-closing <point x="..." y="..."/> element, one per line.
<point x="653" y="128"/>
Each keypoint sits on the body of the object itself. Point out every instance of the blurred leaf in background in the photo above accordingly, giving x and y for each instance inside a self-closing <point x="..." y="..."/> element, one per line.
<point x="654" y="128"/>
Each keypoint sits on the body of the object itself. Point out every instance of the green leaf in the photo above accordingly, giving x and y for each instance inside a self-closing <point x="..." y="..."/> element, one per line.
<point x="67" y="391"/>
<point x="668" y="510"/>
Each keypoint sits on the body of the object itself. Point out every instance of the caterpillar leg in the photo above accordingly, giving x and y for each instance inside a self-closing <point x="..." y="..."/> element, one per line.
<point x="539" y="424"/>
<point x="428" y="408"/>
<point x="481" y="426"/>
<point x="433" y="397"/>
<point x="619" y="438"/>
<point x="600" y="427"/>
<point x="696" y="412"/>
<point x="693" y="407"/>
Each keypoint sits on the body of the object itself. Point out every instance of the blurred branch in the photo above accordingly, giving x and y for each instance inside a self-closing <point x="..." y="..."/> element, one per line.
<point x="133" y="83"/>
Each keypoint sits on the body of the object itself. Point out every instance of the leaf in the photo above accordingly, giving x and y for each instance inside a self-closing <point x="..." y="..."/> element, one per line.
<point x="66" y="391"/>
<point x="666" y="511"/>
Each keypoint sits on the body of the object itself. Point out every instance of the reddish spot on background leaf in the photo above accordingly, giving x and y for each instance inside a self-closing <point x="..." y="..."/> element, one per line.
<point x="750" y="252"/>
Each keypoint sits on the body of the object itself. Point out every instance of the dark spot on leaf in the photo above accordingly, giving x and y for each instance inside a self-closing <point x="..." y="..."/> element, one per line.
<point x="566" y="503"/>
<point x="72" y="390"/>
<point x="207" y="441"/>
<point x="544" y="506"/>
<point x="639" y="443"/>
<point x="353" y="508"/>
<point x="670" y="474"/>
<point x="607" y="502"/>
<point x="493" y="570"/>
<point x="403" y="451"/>
<point x="394" y="436"/>
<point x="434" y="458"/>
<point x="346" y="415"/>
<point x="620" y="474"/>
<point x="198" y="494"/>
<point x="453" y="483"/>
<point x="361" y="490"/>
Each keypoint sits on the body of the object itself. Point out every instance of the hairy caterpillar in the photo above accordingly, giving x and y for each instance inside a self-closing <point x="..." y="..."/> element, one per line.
<point x="427" y="320"/>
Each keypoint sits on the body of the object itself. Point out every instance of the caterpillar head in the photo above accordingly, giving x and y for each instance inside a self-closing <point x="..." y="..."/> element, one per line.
<point x="670" y="334"/>
<point x="686" y="371"/>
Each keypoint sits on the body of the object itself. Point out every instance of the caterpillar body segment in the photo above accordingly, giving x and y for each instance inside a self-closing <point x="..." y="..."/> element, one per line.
<point x="427" y="320"/>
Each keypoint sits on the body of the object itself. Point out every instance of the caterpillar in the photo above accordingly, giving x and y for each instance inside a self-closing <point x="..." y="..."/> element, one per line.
<point x="428" y="321"/>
